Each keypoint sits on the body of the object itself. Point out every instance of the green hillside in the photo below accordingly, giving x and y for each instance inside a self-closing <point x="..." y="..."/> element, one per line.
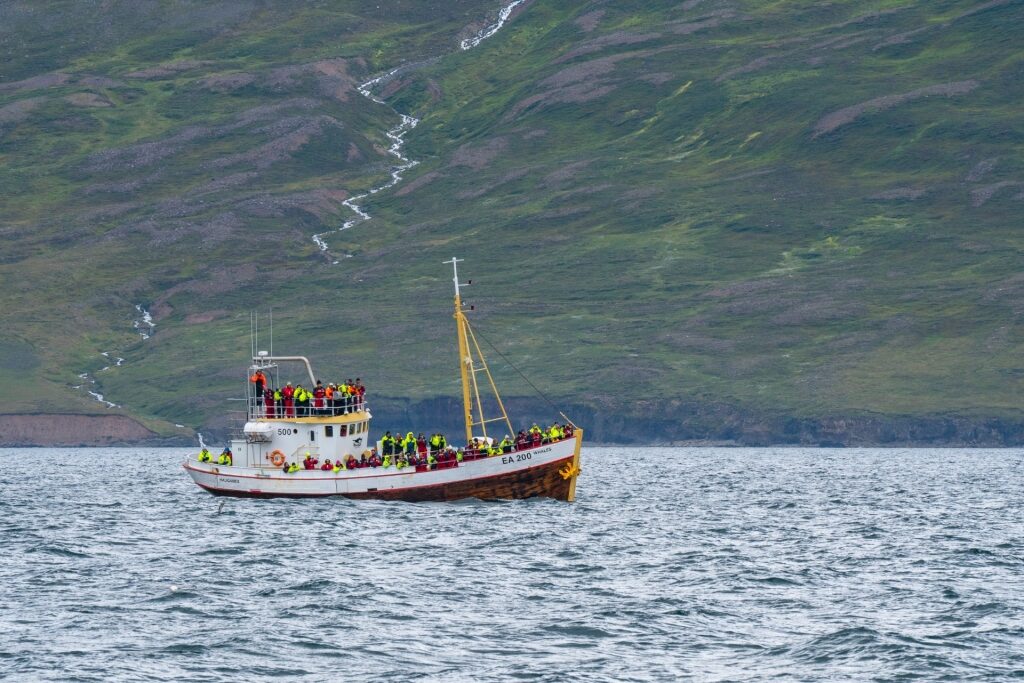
<point x="795" y="209"/>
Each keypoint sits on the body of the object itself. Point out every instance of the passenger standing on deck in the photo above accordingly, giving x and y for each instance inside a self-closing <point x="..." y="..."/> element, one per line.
<point x="318" y="398"/>
<point x="268" y="402"/>
<point x="288" y="396"/>
<point x="409" y="443"/>
<point x="278" y="408"/>
<point x="421" y="444"/>
<point x="521" y="442"/>
<point x="301" y="401"/>
<point x="329" y="399"/>
<point x="343" y="398"/>
<point x="260" y="381"/>
<point x="360" y="392"/>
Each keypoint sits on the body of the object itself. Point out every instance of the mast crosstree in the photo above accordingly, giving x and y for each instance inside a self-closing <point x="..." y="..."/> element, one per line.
<point x="471" y="362"/>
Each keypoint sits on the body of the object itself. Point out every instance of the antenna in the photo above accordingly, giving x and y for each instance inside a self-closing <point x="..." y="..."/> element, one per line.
<point x="271" y="331"/>
<point x="455" y="272"/>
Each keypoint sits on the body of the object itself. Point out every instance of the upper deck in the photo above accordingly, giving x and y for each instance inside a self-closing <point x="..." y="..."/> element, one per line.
<point x="270" y="398"/>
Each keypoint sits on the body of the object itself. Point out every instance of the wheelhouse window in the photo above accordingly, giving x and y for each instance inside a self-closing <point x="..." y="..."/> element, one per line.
<point x="329" y="430"/>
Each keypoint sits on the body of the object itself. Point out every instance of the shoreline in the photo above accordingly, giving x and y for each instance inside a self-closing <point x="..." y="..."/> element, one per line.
<point x="672" y="424"/>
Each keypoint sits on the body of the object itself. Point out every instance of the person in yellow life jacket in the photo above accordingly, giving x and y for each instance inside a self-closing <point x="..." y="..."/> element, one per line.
<point x="506" y="444"/>
<point x="204" y="455"/>
<point x="337" y="467"/>
<point x="493" y="451"/>
<point x="431" y="461"/>
<point x="386" y="462"/>
<point x="225" y="457"/>
<point x="435" y="443"/>
<point x="343" y="397"/>
<point x="554" y="434"/>
<point x="409" y="444"/>
<point x="535" y="429"/>
<point x="294" y="467"/>
<point x="459" y="455"/>
<point x="444" y="441"/>
<point x="278" y="405"/>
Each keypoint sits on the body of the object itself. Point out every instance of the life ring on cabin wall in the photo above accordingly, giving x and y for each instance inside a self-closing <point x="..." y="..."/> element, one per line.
<point x="276" y="458"/>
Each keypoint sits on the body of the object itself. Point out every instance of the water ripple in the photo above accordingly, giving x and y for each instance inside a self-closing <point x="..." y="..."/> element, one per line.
<point x="708" y="564"/>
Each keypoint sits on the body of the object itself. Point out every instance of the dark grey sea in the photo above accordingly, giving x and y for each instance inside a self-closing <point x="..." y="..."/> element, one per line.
<point x="674" y="564"/>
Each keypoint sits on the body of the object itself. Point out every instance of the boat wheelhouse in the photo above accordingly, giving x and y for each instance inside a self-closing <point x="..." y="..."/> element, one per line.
<point x="274" y="436"/>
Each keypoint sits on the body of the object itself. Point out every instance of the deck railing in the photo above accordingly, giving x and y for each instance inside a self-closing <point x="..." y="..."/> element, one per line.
<point x="256" y="408"/>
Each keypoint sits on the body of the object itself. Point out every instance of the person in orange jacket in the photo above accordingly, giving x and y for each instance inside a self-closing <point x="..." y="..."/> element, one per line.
<point x="260" y="382"/>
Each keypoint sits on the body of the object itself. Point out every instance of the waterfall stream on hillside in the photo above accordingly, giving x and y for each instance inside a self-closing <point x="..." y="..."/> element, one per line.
<point x="143" y="324"/>
<point x="397" y="134"/>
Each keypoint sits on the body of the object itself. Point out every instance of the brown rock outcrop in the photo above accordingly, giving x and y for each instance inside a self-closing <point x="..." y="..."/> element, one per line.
<point x="71" y="430"/>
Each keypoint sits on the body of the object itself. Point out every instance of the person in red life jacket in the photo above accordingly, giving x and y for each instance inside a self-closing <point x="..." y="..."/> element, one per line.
<point x="318" y="398"/>
<point x="535" y="439"/>
<point x="421" y="444"/>
<point x="521" y="443"/>
<point x="568" y="429"/>
<point x="327" y="466"/>
<point x="350" y="462"/>
<point x="310" y="462"/>
<point x="287" y="395"/>
<point x="268" y="401"/>
<point x="375" y="460"/>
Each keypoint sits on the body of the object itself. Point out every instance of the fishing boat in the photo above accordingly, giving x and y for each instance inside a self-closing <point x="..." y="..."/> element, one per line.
<point x="273" y="440"/>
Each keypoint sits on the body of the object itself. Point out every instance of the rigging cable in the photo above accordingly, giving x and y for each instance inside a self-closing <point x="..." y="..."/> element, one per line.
<point x="525" y="378"/>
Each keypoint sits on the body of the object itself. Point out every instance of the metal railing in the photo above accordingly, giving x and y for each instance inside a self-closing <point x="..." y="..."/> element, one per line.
<point x="256" y="408"/>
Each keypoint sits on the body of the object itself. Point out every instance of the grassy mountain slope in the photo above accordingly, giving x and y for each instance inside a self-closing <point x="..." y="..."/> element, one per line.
<point x="797" y="208"/>
<point x="794" y="205"/>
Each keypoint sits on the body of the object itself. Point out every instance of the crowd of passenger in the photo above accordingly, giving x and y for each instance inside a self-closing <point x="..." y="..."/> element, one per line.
<point x="423" y="454"/>
<point x="419" y="452"/>
<point x="324" y="400"/>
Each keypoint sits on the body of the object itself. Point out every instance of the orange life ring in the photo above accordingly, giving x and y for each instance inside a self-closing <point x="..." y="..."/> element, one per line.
<point x="277" y="458"/>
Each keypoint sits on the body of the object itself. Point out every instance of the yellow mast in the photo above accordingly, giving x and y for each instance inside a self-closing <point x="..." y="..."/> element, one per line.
<point x="465" y="361"/>
<point x="467" y="370"/>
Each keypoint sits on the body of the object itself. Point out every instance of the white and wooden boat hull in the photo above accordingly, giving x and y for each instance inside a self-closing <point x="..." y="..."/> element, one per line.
<point x="549" y="470"/>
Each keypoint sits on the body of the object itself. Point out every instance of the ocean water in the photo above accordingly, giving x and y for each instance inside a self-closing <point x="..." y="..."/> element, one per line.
<point x="674" y="564"/>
